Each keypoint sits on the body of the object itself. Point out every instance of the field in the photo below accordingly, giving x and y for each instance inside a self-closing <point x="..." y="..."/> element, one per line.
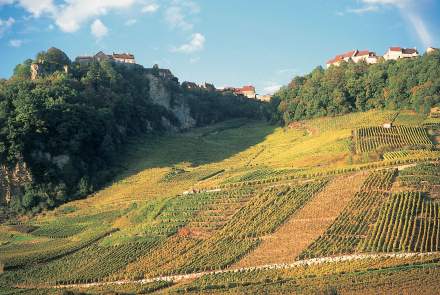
<point x="369" y="139"/>
<point x="349" y="229"/>
<point x="241" y="194"/>
<point x="409" y="222"/>
<point x="307" y="224"/>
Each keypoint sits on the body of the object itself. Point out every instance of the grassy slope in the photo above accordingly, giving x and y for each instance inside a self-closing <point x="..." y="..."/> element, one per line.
<point x="230" y="151"/>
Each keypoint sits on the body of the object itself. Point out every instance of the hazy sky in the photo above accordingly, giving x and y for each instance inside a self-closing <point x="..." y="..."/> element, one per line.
<point x="226" y="42"/>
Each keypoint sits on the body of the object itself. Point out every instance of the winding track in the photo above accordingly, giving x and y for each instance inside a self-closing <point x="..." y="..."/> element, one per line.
<point x="306" y="262"/>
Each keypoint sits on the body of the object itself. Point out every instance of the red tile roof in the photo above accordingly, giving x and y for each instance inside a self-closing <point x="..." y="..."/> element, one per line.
<point x="395" y="49"/>
<point x="340" y="57"/>
<point x="123" y="55"/>
<point x="363" y="53"/>
<point x="247" y="88"/>
<point x="349" y="53"/>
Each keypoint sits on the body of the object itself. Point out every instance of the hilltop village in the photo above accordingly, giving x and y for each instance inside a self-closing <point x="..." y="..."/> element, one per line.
<point x="249" y="91"/>
<point x="370" y="57"/>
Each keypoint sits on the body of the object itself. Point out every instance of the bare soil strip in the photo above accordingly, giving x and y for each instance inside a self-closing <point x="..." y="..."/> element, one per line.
<point x="307" y="224"/>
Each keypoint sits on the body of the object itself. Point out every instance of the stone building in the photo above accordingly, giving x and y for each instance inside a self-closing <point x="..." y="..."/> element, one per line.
<point x="354" y="55"/>
<point x="430" y="50"/>
<point x="124" y="58"/>
<point x="395" y="53"/>
<point x="265" y="98"/>
<point x="127" y="58"/>
<point x="248" y="91"/>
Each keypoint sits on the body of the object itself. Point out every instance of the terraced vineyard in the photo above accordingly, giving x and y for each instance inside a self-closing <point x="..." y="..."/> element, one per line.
<point x="228" y="197"/>
<point x="409" y="222"/>
<point x="351" y="226"/>
<point x="418" y="154"/>
<point x="422" y="176"/>
<point x="15" y="256"/>
<point x="372" y="138"/>
<point x="90" y="264"/>
<point x="262" y="173"/>
<point x="263" y="214"/>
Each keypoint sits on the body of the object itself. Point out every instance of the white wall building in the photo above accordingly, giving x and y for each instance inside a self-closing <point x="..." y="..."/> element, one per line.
<point x="356" y="56"/>
<point x="395" y="53"/>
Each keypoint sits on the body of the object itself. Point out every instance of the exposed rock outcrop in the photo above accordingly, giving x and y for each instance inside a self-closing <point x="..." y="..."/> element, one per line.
<point x="12" y="181"/>
<point x="161" y="95"/>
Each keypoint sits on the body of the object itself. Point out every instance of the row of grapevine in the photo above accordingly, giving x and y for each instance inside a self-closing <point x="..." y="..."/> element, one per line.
<point x="432" y="122"/>
<point x="14" y="256"/>
<point x="379" y="180"/>
<point x="403" y="154"/>
<point x="260" y="174"/>
<point x="352" y="120"/>
<point x="409" y="222"/>
<point x="262" y="214"/>
<point x="59" y="230"/>
<point x="351" y="226"/>
<point x="423" y="176"/>
<point x="90" y="264"/>
<point x="178" y="211"/>
<point x="179" y="174"/>
<point x="216" y="215"/>
<point x="371" y="138"/>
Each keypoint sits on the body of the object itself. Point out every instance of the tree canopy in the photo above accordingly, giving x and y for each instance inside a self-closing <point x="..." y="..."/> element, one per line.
<point x="402" y="84"/>
<point x="70" y="127"/>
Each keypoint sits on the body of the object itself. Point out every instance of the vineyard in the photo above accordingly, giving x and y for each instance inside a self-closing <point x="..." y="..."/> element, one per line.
<point x="260" y="174"/>
<point x="350" y="121"/>
<point x="349" y="229"/>
<point x="409" y="222"/>
<point x="423" y="176"/>
<point x="246" y="198"/>
<point x="90" y="264"/>
<point x="407" y="154"/>
<point x="326" y="278"/>
<point x="373" y="138"/>
<point x="261" y="215"/>
<point x="14" y="256"/>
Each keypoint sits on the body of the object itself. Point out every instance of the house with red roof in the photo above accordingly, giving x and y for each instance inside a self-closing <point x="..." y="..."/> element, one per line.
<point x="355" y="56"/>
<point x="248" y="91"/>
<point x="365" y="55"/>
<point x="124" y="58"/>
<point x="395" y="53"/>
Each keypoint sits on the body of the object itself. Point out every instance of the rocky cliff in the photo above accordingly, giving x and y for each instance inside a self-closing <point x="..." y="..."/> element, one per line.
<point x="161" y="94"/>
<point x="12" y="181"/>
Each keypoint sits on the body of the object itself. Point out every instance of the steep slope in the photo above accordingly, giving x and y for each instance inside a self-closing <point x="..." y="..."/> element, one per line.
<point x="70" y="122"/>
<point x="201" y="201"/>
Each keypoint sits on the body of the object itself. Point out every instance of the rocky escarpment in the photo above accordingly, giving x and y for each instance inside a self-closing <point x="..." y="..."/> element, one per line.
<point x="161" y="94"/>
<point x="73" y="119"/>
<point x="12" y="181"/>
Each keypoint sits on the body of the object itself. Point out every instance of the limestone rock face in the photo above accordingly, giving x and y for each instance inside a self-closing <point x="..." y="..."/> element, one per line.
<point x="35" y="71"/>
<point x="12" y="181"/>
<point x="161" y="95"/>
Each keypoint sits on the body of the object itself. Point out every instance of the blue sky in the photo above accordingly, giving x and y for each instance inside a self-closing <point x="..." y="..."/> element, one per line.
<point x="227" y="42"/>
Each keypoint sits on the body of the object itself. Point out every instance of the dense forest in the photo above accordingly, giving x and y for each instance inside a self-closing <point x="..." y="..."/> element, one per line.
<point x="403" y="84"/>
<point x="69" y="124"/>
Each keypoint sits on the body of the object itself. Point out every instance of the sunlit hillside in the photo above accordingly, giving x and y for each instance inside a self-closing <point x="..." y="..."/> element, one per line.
<point x="335" y="204"/>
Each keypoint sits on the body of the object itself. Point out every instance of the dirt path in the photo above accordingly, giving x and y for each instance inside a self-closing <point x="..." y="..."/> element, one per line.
<point x="307" y="224"/>
<point x="307" y="262"/>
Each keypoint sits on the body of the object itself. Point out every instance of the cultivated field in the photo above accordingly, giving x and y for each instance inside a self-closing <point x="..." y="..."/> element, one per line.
<point x="242" y="194"/>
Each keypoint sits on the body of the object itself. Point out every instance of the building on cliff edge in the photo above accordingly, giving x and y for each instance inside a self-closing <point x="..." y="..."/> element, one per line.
<point x="127" y="58"/>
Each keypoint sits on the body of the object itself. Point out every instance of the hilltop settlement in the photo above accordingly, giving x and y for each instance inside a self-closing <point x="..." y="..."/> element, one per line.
<point x="370" y="57"/>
